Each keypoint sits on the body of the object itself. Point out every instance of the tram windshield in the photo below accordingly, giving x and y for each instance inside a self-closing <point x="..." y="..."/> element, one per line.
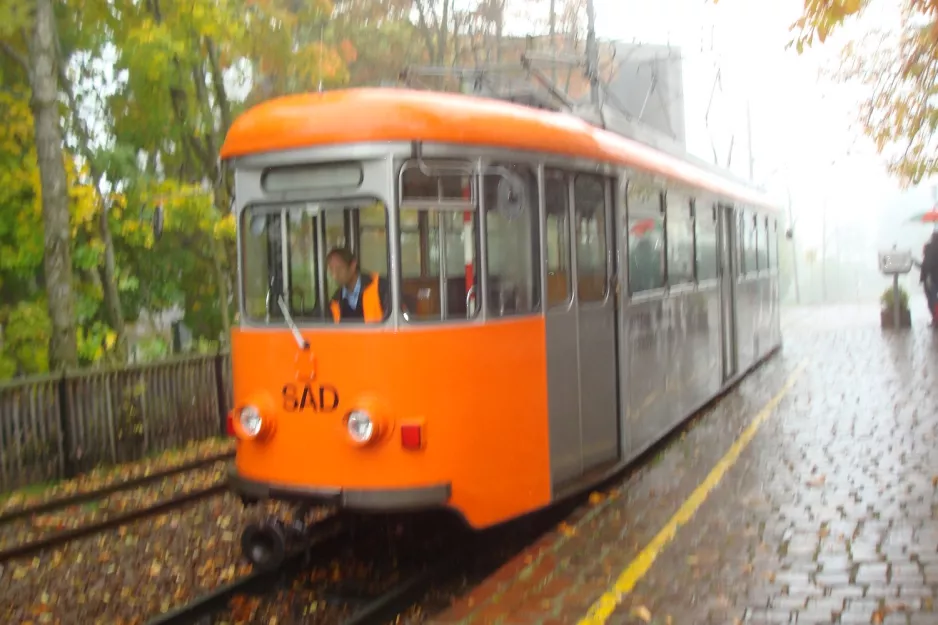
<point x="284" y="249"/>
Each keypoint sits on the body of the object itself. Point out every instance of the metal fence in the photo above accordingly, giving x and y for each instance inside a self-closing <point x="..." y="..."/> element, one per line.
<point x="54" y="427"/>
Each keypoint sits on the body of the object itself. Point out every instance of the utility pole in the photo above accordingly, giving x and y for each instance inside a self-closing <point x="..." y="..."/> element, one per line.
<point x="749" y="136"/>
<point x="592" y="55"/>
<point x="551" y="42"/>
<point x="824" y="253"/>
<point x="794" y="250"/>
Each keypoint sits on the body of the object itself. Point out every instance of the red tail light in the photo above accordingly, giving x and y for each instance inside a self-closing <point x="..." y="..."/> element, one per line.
<point x="229" y="423"/>
<point x="411" y="436"/>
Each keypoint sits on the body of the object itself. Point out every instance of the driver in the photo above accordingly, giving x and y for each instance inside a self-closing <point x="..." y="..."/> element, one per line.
<point x="359" y="297"/>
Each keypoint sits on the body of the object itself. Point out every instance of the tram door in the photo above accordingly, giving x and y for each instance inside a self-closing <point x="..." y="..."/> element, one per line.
<point x="581" y="340"/>
<point x="728" y="272"/>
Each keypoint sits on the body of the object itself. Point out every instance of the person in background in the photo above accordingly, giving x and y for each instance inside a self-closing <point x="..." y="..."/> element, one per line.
<point x="929" y="275"/>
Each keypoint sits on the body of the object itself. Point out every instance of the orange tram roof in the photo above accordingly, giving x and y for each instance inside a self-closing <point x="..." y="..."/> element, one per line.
<point x="384" y="114"/>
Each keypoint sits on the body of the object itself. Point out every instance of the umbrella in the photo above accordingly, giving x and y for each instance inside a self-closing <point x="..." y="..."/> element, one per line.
<point x="929" y="217"/>
<point x="643" y="226"/>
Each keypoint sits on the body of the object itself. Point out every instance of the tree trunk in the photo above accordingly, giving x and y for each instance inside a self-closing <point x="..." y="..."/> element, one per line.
<point x="63" y="349"/>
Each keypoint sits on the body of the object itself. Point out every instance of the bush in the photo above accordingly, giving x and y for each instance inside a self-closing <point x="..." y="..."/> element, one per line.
<point x="885" y="299"/>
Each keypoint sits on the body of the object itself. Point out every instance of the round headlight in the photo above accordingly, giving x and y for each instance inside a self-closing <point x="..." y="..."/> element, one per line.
<point x="251" y="421"/>
<point x="360" y="426"/>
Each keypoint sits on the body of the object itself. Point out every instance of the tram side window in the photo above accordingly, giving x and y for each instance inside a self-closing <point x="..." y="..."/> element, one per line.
<point x="512" y="239"/>
<point x="284" y="249"/>
<point x="752" y="243"/>
<point x="759" y="228"/>
<point x="764" y="243"/>
<point x="773" y="244"/>
<point x="706" y="231"/>
<point x="646" y="236"/>
<point x="589" y="199"/>
<point x="557" y="202"/>
<point x="741" y="241"/>
<point x="438" y="238"/>
<point x="680" y="227"/>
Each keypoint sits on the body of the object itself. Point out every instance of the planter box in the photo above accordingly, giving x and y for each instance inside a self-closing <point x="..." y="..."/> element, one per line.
<point x="905" y="318"/>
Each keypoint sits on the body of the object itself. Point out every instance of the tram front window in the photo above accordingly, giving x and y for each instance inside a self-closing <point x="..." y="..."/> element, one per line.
<point x="284" y="264"/>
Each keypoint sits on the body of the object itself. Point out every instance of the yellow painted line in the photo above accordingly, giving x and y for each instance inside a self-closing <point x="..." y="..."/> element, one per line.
<point x="603" y="607"/>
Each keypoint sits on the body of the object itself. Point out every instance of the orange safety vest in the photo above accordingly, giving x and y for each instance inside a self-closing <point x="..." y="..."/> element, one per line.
<point x="371" y="303"/>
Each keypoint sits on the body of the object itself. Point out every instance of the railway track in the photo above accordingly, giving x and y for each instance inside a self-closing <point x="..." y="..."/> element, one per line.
<point x="58" y="538"/>
<point x="323" y="538"/>
<point x="402" y="578"/>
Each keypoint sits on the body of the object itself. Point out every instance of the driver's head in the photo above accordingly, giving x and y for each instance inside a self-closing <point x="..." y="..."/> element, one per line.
<point x="343" y="266"/>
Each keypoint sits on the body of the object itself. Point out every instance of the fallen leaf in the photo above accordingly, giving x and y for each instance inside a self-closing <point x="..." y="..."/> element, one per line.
<point x="877" y="617"/>
<point x="818" y="481"/>
<point x="934" y="481"/>
<point x="596" y="498"/>
<point x="155" y="569"/>
<point x="643" y="613"/>
<point x="566" y="529"/>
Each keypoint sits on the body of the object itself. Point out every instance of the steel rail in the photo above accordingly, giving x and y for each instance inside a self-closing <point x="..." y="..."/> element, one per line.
<point x="325" y="534"/>
<point x="63" y="537"/>
<point x="100" y="493"/>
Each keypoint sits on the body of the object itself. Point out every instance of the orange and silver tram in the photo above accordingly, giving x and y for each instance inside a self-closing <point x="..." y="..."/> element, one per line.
<point x="556" y="298"/>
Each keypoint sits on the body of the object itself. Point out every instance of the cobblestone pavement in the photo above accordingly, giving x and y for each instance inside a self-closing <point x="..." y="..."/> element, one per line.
<point x="828" y="516"/>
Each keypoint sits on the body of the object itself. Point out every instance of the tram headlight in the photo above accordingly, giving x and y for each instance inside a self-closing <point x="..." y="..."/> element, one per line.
<point x="251" y="421"/>
<point x="361" y="428"/>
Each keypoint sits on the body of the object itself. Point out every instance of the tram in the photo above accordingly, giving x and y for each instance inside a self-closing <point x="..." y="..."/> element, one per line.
<point x="556" y="298"/>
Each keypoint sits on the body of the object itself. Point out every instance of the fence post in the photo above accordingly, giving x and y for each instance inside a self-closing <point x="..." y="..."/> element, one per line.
<point x="221" y="393"/>
<point x="65" y="427"/>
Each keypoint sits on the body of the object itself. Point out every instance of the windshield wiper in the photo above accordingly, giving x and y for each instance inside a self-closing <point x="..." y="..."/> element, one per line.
<point x="293" y="327"/>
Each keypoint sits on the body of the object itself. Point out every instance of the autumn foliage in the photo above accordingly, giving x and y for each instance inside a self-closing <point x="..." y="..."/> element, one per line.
<point x="147" y="90"/>
<point x="899" y="69"/>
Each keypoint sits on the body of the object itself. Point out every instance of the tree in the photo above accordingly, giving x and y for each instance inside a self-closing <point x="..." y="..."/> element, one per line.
<point x="41" y="67"/>
<point x="900" y="72"/>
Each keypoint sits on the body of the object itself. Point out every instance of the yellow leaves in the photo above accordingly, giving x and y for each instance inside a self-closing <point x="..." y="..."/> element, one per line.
<point x="224" y="229"/>
<point x="642" y="612"/>
<point x="566" y="529"/>
<point x="15" y="15"/>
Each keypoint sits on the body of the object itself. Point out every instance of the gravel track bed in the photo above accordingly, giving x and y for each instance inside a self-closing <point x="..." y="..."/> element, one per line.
<point x="106" y="476"/>
<point x="47" y="524"/>
<point x="370" y="562"/>
<point x="131" y="574"/>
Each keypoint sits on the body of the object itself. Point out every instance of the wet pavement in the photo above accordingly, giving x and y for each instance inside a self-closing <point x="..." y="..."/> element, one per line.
<point x="828" y="515"/>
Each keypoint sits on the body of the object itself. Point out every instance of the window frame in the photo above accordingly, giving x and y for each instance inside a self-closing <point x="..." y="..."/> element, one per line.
<point x="440" y="170"/>
<point x="686" y="203"/>
<point x="564" y="176"/>
<point x="333" y="206"/>
<point x="658" y="214"/>
<point x="604" y="184"/>
<point x="533" y="197"/>
<point x="714" y="230"/>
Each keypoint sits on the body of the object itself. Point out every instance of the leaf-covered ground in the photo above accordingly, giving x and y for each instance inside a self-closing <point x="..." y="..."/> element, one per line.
<point x="374" y="561"/>
<point x="131" y="574"/>
<point x="80" y="515"/>
<point x="105" y="476"/>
